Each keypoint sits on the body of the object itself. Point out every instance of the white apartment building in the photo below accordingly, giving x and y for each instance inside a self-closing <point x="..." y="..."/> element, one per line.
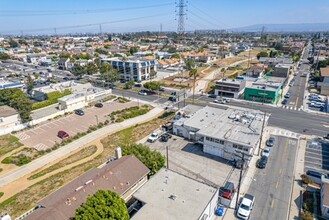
<point x="133" y="68"/>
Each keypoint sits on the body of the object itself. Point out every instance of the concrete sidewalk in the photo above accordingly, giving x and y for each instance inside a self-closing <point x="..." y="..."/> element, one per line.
<point x="67" y="149"/>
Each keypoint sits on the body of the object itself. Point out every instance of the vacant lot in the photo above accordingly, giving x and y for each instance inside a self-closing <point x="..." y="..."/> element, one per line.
<point x="8" y="143"/>
<point x="228" y="61"/>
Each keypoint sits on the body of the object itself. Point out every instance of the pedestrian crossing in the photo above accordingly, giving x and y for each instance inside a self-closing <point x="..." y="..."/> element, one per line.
<point x="22" y="136"/>
<point x="293" y="108"/>
<point x="40" y="147"/>
<point x="286" y="133"/>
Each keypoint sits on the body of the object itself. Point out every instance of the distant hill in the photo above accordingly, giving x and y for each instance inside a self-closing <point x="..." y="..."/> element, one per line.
<point x="307" y="27"/>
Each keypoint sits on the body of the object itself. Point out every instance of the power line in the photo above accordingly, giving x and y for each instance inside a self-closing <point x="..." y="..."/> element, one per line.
<point x="211" y="17"/>
<point x="87" y="25"/>
<point x="72" y="12"/>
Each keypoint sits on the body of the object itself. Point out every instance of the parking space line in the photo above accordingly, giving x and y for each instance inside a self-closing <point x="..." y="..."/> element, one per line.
<point x="272" y="204"/>
<point x="277" y="184"/>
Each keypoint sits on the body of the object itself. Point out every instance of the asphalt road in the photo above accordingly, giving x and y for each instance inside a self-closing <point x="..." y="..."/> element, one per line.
<point x="295" y="121"/>
<point x="272" y="186"/>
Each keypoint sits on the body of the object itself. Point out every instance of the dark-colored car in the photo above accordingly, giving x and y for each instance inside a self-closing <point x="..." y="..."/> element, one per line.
<point x="284" y="102"/>
<point x="228" y="190"/>
<point x="270" y="142"/>
<point x="262" y="162"/>
<point x="63" y="135"/>
<point x="162" y="89"/>
<point x="172" y="98"/>
<point x="79" y="112"/>
<point x="212" y="96"/>
<point x="138" y="85"/>
<point x="165" y="137"/>
<point x="326" y="137"/>
<point x="99" y="105"/>
<point x="287" y="95"/>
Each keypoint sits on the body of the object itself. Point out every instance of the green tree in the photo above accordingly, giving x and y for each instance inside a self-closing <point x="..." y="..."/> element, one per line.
<point x="78" y="70"/>
<point x="262" y="54"/>
<point x="273" y="53"/>
<point x="29" y="84"/>
<point x="153" y="74"/>
<point x="64" y="55"/>
<point x="150" y="158"/>
<point x="133" y="50"/>
<point x="175" y="55"/>
<point x="278" y="46"/>
<point x="84" y="56"/>
<point x="104" y="204"/>
<point x="91" y="68"/>
<point x="129" y="84"/>
<point x="13" y="43"/>
<point x="152" y="86"/>
<point x="190" y="65"/>
<point x="109" y="74"/>
<point x="18" y="100"/>
<point x="4" y="56"/>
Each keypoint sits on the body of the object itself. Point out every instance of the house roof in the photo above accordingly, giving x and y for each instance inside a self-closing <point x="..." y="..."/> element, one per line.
<point x="6" y="111"/>
<point x="170" y="195"/>
<point x="324" y="72"/>
<point x="118" y="176"/>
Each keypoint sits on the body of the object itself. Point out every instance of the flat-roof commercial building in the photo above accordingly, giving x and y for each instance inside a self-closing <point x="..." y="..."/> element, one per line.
<point x="230" y="87"/>
<point x="9" y="117"/>
<point x="133" y="68"/>
<point x="265" y="90"/>
<point x="170" y="195"/>
<point x="225" y="133"/>
<point x="123" y="176"/>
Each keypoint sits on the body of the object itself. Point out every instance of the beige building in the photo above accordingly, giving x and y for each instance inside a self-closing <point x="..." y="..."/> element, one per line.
<point x="8" y="117"/>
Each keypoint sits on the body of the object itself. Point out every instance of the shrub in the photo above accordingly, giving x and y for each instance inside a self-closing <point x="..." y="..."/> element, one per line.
<point x="306" y="179"/>
<point x="306" y="216"/>
<point x="52" y="98"/>
<point x="119" y="119"/>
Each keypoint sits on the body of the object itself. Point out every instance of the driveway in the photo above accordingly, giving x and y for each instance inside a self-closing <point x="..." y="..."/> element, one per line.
<point x="189" y="159"/>
<point x="44" y="135"/>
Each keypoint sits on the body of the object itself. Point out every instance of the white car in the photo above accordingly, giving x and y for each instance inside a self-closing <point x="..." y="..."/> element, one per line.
<point x="142" y="93"/>
<point x="245" y="206"/>
<point x="266" y="152"/>
<point x="154" y="136"/>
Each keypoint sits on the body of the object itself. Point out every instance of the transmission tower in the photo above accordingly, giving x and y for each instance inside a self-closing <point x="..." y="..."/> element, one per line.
<point x="181" y="13"/>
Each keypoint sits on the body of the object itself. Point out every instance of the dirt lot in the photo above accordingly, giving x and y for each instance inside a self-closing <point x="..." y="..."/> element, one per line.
<point x="72" y="124"/>
<point x="228" y="61"/>
<point x="189" y="159"/>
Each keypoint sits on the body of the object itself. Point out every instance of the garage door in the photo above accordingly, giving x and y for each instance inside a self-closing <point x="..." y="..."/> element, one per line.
<point x="213" y="150"/>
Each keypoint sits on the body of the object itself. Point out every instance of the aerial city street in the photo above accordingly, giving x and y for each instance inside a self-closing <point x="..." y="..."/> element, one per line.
<point x="171" y="110"/>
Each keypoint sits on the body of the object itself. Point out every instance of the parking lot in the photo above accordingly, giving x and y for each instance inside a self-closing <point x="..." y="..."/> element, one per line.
<point x="317" y="156"/>
<point x="72" y="124"/>
<point x="189" y="159"/>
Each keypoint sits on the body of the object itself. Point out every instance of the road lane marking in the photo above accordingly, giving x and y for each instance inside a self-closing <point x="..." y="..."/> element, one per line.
<point x="296" y="102"/>
<point x="285" y="150"/>
<point x="327" y="126"/>
<point x="272" y="204"/>
<point x="277" y="184"/>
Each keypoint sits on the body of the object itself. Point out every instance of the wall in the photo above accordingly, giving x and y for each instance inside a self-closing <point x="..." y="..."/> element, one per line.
<point x="211" y="207"/>
<point x="10" y="121"/>
<point x="270" y="97"/>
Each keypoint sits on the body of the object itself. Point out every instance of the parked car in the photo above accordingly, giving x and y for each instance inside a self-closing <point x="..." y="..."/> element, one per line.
<point x="262" y="162"/>
<point x="270" y="142"/>
<point x="63" y="135"/>
<point x="246" y="206"/>
<point x="79" y="112"/>
<point x="142" y="93"/>
<point x="315" y="176"/>
<point x="138" y="85"/>
<point x="326" y="137"/>
<point x="287" y="95"/>
<point x="284" y="101"/>
<point x="172" y="98"/>
<point x="292" y="83"/>
<point x="220" y="101"/>
<point x="266" y="152"/>
<point x="162" y="89"/>
<point x="99" y="105"/>
<point x="237" y="164"/>
<point x="165" y="137"/>
<point x="154" y="136"/>
<point x="212" y="96"/>
<point x="228" y="190"/>
<point x="316" y="104"/>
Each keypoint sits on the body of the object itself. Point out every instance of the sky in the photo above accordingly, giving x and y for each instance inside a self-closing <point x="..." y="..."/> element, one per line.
<point x="80" y="16"/>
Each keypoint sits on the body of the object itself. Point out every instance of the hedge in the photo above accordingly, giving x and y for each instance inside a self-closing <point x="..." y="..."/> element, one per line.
<point x="52" y="98"/>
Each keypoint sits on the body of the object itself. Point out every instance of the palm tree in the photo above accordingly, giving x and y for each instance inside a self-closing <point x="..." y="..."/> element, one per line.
<point x="193" y="73"/>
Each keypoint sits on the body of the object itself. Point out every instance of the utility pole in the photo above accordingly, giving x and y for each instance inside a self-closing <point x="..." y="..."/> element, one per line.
<point x="100" y="30"/>
<point x="240" y="179"/>
<point x="261" y="135"/>
<point x="182" y="8"/>
<point x="249" y="58"/>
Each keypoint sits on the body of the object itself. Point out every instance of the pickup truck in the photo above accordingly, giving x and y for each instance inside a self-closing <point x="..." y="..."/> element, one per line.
<point x="246" y="206"/>
<point x="153" y="137"/>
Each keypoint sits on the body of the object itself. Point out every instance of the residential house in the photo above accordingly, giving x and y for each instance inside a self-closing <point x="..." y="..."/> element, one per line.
<point x="170" y="195"/>
<point x="324" y="84"/>
<point x="8" y="117"/>
<point x="6" y="84"/>
<point x="63" y="63"/>
<point x="124" y="176"/>
<point x="36" y="58"/>
<point x="255" y="71"/>
<point x="225" y="133"/>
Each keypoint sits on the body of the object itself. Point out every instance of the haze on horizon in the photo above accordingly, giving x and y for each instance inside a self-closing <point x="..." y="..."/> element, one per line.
<point x="69" y="16"/>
